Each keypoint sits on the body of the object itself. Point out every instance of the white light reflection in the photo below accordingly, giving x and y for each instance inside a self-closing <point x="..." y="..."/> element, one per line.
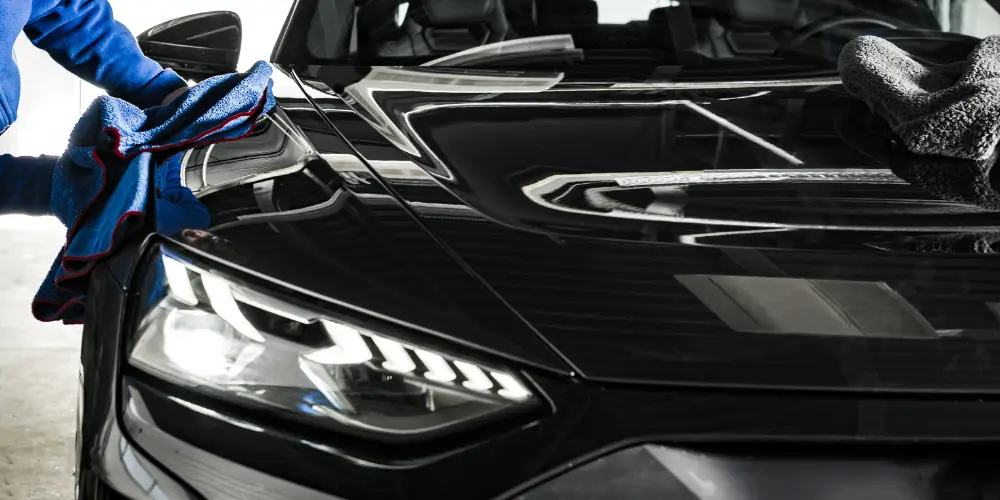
<point x="438" y="369"/>
<point x="748" y="96"/>
<point x="539" y="191"/>
<point x="396" y="358"/>
<point x="546" y="43"/>
<point x="179" y="281"/>
<point x="512" y="389"/>
<point x="214" y="414"/>
<point x="196" y="342"/>
<point x="224" y="304"/>
<point x="477" y="380"/>
<point x="349" y="347"/>
<point x="247" y="355"/>
<point x="386" y="79"/>
<point x="322" y="381"/>
<point x="823" y="81"/>
<point x="694" y="239"/>
<point x="722" y="122"/>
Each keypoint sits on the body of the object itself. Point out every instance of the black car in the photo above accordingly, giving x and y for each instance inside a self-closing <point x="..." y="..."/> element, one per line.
<point x="557" y="249"/>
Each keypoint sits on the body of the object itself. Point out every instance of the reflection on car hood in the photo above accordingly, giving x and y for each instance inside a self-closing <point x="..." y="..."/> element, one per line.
<point x="760" y="234"/>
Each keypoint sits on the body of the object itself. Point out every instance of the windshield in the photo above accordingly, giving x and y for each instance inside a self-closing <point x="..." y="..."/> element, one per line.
<point x="684" y="33"/>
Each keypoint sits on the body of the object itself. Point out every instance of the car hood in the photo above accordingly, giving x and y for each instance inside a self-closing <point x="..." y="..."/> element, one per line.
<point x="744" y="234"/>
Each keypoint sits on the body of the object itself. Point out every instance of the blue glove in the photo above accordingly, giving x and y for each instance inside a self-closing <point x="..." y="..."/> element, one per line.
<point x="177" y="208"/>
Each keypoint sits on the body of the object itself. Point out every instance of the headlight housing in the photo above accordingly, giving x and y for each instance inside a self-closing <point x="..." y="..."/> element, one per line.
<point x="202" y="329"/>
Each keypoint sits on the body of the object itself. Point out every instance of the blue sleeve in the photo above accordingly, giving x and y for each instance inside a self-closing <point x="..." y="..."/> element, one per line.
<point x="26" y="184"/>
<point x="181" y="212"/>
<point x="177" y="208"/>
<point x="83" y="36"/>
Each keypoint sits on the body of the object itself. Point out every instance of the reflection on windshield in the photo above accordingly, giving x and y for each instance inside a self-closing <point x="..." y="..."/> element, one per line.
<point x="629" y="33"/>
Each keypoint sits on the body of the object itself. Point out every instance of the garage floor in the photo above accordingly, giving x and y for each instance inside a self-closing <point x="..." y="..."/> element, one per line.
<point x="38" y="370"/>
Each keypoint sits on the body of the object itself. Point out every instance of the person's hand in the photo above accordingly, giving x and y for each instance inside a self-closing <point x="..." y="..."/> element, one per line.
<point x="173" y="95"/>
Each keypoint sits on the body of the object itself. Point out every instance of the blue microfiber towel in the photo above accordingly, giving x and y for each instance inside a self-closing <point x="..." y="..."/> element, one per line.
<point x="101" y="183"/>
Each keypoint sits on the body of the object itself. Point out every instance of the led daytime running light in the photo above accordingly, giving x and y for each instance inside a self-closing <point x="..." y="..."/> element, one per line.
<point x="350" y="347"/>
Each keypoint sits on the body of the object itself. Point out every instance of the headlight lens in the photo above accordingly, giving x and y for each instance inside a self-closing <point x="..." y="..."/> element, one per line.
<point x="205" y="331"/>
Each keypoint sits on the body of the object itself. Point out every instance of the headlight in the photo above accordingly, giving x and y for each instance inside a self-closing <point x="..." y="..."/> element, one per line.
<point x="206" y="331"/>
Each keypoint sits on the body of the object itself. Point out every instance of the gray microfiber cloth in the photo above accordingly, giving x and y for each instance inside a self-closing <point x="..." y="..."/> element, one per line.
<point x="946" y="110"/>
<point x="966" y="243"/>
<point x="963" y="181"/>
<point x="970" y="182"/>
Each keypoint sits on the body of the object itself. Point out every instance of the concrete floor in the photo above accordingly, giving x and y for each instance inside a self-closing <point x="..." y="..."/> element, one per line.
<point x="38" y="370"/>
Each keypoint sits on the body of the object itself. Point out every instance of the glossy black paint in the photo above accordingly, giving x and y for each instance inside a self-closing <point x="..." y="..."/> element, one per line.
<point x="603" y="289"/>
<point x="587" y="302"/>
<point x="591" y="419"/>
<point x="494" y="149"/>
<point x="356" y="260"/>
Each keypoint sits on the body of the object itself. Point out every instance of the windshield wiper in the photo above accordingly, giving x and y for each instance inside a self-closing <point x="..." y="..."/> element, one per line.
<point x="532" y="50"/>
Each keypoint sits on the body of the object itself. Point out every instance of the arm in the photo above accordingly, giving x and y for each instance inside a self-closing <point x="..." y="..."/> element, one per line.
<point x="83" y="36"/>
<point x="26" y="184"/>
<point x="179" y="211"/>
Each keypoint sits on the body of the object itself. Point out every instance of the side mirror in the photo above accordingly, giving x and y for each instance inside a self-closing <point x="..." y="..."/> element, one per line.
<point x="198" y="46"/>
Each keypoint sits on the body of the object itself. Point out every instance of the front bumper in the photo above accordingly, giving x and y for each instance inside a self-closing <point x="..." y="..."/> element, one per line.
<point x="147" y="463"/>
<point x="661" y="472"/>
<point x="176" y="449"/>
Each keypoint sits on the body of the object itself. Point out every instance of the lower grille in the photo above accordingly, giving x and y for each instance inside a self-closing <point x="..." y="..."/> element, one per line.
<point x="657" y="472"/>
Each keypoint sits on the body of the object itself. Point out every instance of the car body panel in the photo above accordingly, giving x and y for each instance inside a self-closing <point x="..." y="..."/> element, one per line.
<point x="137" y="428"/>
<point x="602" y="285"/>
<point x="743" y="270"/>
<point x="498" y="177"/>
<point x="292" y="228"/>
